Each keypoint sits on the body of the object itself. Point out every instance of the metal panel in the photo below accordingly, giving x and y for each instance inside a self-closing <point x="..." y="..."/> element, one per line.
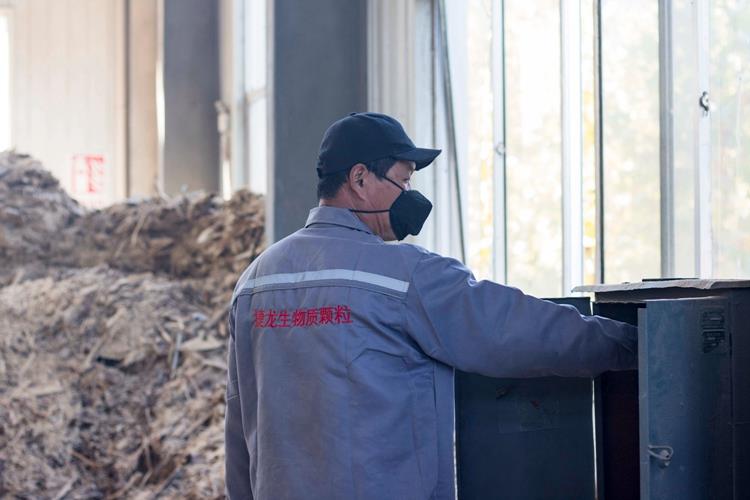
<point x="685" y="399"/>
<point x="506" y="428"/>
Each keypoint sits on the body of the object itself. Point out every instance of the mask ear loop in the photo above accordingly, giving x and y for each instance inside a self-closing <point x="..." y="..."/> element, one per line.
<point x="378" y="211"/>
<point x="394" y="183"/>
<point x="368" y="211"/>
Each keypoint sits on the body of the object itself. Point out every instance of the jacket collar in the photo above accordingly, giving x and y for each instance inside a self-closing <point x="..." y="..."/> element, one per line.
<point x="337" y="217"/>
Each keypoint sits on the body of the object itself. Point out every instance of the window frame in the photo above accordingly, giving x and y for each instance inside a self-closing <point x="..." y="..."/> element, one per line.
<point x="439" y="184"/>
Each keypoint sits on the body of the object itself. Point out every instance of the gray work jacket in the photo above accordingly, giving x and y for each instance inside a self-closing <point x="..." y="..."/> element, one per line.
<point x="341" y="358"/>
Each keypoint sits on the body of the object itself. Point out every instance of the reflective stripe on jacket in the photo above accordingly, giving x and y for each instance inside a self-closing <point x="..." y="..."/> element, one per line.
<point x="341" y="359"/>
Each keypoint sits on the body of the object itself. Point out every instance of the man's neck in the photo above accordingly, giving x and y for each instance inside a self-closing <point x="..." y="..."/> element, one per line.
<point x="340" y="201"/>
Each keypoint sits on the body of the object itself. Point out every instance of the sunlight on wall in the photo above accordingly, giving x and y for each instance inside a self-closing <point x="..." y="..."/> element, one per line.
<point x="4" y="83"/>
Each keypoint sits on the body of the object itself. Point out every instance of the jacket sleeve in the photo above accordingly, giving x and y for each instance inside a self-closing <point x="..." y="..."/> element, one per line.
<point x="495" y="330"/>
<point x="237" y="469"/>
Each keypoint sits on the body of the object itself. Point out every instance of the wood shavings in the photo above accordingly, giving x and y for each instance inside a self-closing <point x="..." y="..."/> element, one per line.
<point x="113" y="338"/>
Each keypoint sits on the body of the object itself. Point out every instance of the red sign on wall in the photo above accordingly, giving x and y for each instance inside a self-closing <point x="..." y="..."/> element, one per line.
<point x="88" y="180"/>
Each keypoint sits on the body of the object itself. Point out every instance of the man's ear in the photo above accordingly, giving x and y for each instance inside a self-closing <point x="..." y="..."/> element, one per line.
<point x="357" y="176"/>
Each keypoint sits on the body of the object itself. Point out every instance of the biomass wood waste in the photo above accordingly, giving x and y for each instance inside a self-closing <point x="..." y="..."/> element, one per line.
<point x="112" y="338"/>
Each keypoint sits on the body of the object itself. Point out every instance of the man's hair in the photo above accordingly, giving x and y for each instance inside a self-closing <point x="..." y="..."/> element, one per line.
<point x="329" y="185"/>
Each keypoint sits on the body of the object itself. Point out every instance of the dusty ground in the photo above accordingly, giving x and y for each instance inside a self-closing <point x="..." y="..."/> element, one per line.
<point x="112" y="338"/>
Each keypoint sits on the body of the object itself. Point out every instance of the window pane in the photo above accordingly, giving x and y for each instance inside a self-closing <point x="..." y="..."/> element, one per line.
<point x="469" y="27"/>
<point x="588" y="123"/>
<point x="730" y="137"/>
<point x="685" y="125"/>
<point x="479" y="165"/>
<point x="533" y="146"/>
<point x="630" y="107"/>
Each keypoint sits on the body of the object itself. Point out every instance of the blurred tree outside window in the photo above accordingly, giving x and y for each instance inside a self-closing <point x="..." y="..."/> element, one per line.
<point x="630" y="142"/>
<point x="533" y="146"/>
<point x="479" y="167"/>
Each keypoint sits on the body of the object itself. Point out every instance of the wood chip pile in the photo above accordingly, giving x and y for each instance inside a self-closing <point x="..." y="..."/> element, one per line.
<point x="33" y="212"/>
<point x="112" y="339"/>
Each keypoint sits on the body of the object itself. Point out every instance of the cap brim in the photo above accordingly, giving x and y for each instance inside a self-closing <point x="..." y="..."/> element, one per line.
<point x="420" y="156"/>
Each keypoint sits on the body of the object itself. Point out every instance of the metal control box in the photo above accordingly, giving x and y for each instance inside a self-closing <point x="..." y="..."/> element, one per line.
<point x="679" y="427"/>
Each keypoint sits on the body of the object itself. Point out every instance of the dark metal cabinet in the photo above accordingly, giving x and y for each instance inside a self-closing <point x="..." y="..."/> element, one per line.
<point x="691" y="398"/>
<point x="525" y="438"/>
<point x="679" y="427"/>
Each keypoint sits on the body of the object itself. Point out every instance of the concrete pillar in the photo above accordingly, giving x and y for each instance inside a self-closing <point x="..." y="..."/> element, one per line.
<point x="319" y="74"/>
<point x="142" y="142"/>
<point x="191" y="86"/>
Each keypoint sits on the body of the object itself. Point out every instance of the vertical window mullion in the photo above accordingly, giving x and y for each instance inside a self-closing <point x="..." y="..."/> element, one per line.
<point x="703" y="181"/>
<point x="599" y="142"/>
<point x="571" y="121"/>
<point x="499" y="246"/>
<point x="666" y="137"/>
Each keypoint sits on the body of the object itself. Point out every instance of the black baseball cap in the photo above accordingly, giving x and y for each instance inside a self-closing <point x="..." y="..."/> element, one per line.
<point x="365" y="137"/>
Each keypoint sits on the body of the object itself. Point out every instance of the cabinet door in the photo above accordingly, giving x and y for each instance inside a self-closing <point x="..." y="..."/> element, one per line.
<point x="685" y="399"/>
<point x="525" y="438"/>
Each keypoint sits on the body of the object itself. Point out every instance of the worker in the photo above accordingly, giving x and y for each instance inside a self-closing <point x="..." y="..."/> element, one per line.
<point x="342" y="347"/>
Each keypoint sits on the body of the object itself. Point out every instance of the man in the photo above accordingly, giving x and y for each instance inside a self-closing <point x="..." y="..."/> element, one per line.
<point x="342" y="347"/>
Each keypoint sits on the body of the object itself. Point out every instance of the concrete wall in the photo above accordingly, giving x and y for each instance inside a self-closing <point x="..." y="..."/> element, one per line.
<point x="68" y="92"/>
<point x="85" y="95"/>
<point x="129" y="86"/>
<point x="191" y="85"/>
<point x="319" y="74"/>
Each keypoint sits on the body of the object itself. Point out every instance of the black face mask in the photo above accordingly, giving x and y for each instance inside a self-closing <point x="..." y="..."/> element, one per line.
<point x="408" y="212"/>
